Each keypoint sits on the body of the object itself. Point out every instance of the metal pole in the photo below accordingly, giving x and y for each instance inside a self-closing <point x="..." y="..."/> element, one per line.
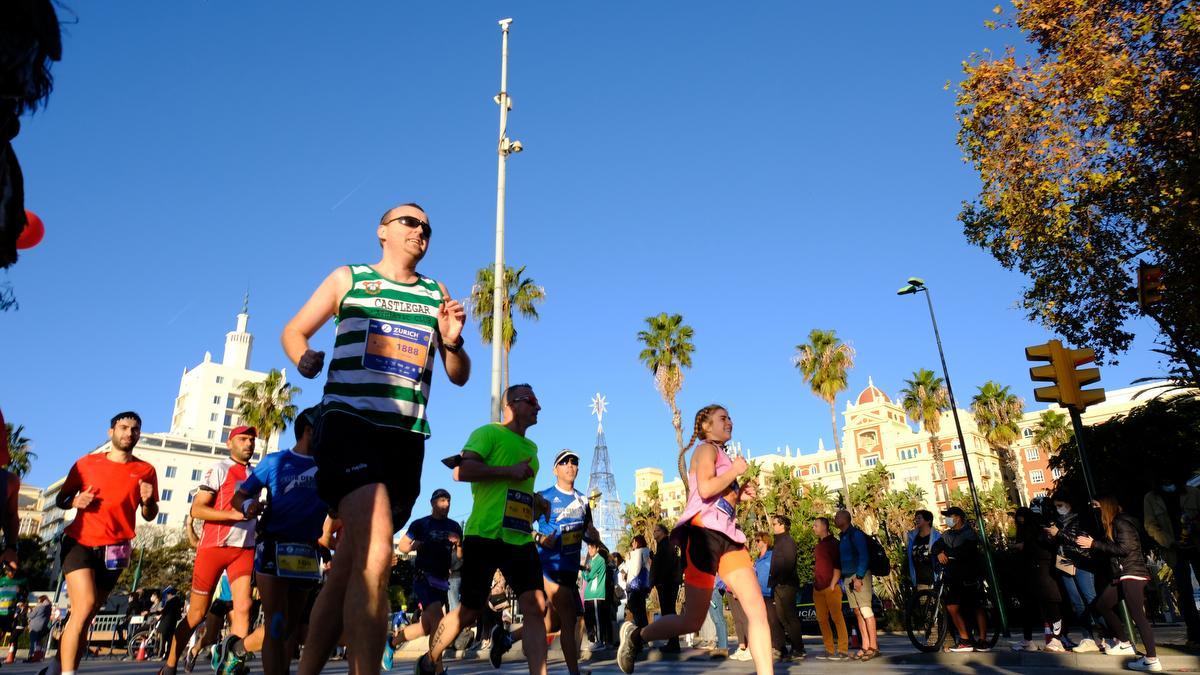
<point x="498" y="290"/>
<point x="962" y="446"/>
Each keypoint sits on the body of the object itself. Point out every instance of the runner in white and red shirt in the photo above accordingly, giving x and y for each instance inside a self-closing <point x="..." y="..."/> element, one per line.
<point x="226" y="544"/>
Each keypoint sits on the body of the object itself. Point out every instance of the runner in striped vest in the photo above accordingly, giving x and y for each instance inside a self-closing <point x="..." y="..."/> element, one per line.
<point x="369" y="442"/>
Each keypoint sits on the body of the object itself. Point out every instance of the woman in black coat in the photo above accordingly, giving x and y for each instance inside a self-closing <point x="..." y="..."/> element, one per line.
<point x="1122" y="544"/>
<point x="1035" y="561"/>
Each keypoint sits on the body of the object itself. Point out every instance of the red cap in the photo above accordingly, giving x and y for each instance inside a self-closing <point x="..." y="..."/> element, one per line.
<point x="237" y="431"/>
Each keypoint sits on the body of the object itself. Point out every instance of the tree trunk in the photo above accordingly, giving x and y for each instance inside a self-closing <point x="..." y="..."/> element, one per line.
<point x="677" y="422"/>
<point x="837" y="448"/>
<point x="1014" y="465"/>
<point x="939" y="466"/>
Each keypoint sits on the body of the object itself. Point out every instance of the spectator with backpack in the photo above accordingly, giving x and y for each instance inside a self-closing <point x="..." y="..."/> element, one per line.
<point x="637" y="580"/>
<point x="855" y="553"/>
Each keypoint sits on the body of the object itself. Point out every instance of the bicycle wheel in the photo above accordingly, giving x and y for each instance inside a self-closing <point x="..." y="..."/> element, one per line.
<point x="135" y="642"/>
<point x="993" y="619"/>
<point x="925" y="621"/>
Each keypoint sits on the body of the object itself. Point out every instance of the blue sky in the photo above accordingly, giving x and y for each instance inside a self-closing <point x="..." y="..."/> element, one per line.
<point x="762" y="171"/>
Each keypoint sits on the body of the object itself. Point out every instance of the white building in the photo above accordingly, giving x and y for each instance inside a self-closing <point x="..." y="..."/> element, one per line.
<point x="205" y="411"/>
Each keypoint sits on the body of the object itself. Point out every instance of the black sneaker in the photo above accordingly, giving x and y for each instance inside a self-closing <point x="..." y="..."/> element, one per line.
<point x="982" y="646"/>
<point x="423" y="666"/>
<point x="501" y="642"/>
<point x="629" y="647"/>
<point x="189" y="660"/>
<point x="963" y="646"/>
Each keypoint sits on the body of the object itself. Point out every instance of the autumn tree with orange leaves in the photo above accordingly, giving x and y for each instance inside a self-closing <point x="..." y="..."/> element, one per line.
<point x="1088" y="155"/>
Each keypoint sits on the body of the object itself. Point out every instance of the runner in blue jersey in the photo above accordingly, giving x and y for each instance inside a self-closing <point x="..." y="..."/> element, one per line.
<point x="287" y="568"/>
<point x="560" y="536"/>
<point x="432" y="537"/>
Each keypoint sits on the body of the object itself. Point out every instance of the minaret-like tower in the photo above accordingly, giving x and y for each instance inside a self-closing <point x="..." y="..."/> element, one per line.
<point x="238" y="342"/>
<point x="602" y="486"/>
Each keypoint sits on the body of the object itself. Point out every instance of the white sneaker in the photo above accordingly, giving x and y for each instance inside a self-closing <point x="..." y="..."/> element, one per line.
<point x="1024" y="646"/>
<point x="1154" y="666"/>
<point x="742" y="654"/>
<point x="1120" y="650"/>
<point x="1053" y="645"/>
<point x="1086" y="645"/>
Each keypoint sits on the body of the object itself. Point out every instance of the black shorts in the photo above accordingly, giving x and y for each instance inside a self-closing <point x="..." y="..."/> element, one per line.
<point x="220" y="608"/>
<point x="520" y="565"/>
<point x="966" y="594"/>
<point x="75" y="556"/>
<point x="351" y="452"/>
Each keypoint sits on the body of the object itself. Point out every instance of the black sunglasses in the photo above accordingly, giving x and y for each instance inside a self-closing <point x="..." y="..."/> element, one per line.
<point x="410" y="221"/>
<point x="569" y="460"/>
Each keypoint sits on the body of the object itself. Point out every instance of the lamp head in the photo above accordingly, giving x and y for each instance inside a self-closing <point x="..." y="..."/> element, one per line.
<point x="907" y="290"/>
<point x="916" y="281"/>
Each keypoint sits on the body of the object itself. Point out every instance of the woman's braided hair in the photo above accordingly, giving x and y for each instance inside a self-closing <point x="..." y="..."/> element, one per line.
<point x="702" y="416"/>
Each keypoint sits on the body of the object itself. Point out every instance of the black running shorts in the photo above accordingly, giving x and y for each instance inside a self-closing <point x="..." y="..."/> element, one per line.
<point x="481" y="557"/>
<point x="351" y="452"/>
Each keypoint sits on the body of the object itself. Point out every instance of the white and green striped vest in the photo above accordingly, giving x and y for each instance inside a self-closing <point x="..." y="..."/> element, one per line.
<point x="382" y="364"/>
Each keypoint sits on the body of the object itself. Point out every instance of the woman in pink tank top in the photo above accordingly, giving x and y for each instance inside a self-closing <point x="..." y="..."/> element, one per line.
<point x="711" y="544"/>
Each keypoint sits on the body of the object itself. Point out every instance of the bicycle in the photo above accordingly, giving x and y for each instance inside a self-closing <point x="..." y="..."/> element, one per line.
<point x="146" y="632"/>
<point x="926" y="617"/>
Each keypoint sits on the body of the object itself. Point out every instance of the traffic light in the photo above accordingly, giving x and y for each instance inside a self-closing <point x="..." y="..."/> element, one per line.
<point x="1150" y="285"/>
<point x="1062" y="371"/>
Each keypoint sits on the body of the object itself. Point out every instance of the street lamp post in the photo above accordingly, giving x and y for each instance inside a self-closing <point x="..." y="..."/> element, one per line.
<point x="505" y="147"/>
<point x="917" y="285"/>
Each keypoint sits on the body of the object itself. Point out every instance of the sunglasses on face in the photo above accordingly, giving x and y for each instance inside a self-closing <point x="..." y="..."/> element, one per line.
<point x="410" y="221"/>
<point x="531" y="400"/>
<point x="573" y="461"/>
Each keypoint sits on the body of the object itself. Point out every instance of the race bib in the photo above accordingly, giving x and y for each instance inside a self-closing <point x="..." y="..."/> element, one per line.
<point x="297" y="561"/>
<point x="572" y="537"/>
<point x="726" y="507"/>
<point x="518" y="511"/>
<point x="396" y="349"/>
<point x="116" y="556"/>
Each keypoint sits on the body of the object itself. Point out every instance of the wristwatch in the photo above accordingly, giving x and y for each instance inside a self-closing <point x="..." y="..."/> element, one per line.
<point x="453" y="348"/>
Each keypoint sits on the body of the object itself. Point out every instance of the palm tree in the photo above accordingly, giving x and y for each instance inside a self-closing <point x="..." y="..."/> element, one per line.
<point x="924" y="398"/>
<point x="520" y="291"/>
<point x="667" y="351"/>
<point x="823" y="362"/>
<point x="996" y="413"/>
<point x="267" y="406"/>
<point x="20" y="456"/>
<point x="1053" y="430"/>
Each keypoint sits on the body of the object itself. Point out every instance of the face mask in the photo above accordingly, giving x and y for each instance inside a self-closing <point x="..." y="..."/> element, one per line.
<point x="951" y="521"/>
<point x="1168" y="488"/>
<point x="1063" y="510"/>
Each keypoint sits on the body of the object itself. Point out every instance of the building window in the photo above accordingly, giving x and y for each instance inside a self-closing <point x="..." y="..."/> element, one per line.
<point x="868" y="439"/>
<point x="220" y="380"/>
<point x="166" y="496"/>
<point x="212" y="417"/>
<point x="1041" y="493"/>
<point x="956" y="445"/>
<point x="228" y="419"/>
<point x="171" y="471"/>
<point x="871" y="460"/>
<point x="216" y="400"/>
<point x="196" y="473"/>
<point x="230" y="402"/>
<point x="162" y="518"/>
<point x="211" y="434"/>
<point x="910" y="453"/>
<point x="1031" y="454"/>
<point x="1037" y="477"/>
<point x="1057" y="473"/>
<point x="1028" y="432"/>
<point x="225" y="435"/>
<point x="831" y="466"/>
<point x="191" y="496"/>
<point x="959" y="468"/>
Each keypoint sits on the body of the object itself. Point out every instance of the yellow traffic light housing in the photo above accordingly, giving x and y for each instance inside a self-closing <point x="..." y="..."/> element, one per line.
<point x="1061" y="370"/>
<point x="1150" y="286"/>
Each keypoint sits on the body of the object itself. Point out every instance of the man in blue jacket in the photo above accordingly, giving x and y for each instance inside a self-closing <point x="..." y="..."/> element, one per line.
<point x="920" y="542"/>
<point x="856" y="573"/>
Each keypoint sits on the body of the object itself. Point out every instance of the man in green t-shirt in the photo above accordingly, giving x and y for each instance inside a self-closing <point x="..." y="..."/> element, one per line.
<point x="500" y="464"/>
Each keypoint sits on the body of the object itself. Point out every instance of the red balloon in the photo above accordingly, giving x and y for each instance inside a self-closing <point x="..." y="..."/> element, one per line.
<point x="34" y="231"/>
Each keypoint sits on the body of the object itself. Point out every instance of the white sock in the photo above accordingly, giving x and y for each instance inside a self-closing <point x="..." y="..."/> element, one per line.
<point x="68" y="672"/>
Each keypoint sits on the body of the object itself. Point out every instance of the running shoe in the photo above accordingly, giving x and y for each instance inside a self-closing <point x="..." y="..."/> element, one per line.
<point x="389" y="654"/>
<point x="189" y="660"/>
<point x="1053" y="645"/>
<point x="501" y="643"/>
<point x="982" y="646"/>
<point x="1086" y="645"/>
<point x="1024" y="646"/>
<point x="231" y="662"/>
<point x="1121" y="650"/>
<point x="1145" y="664"/>
<point x="422" y="666"/>
<point x="628" y="650"/>
<point x="963" y="646"/>
<point x="742" y="654"/>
